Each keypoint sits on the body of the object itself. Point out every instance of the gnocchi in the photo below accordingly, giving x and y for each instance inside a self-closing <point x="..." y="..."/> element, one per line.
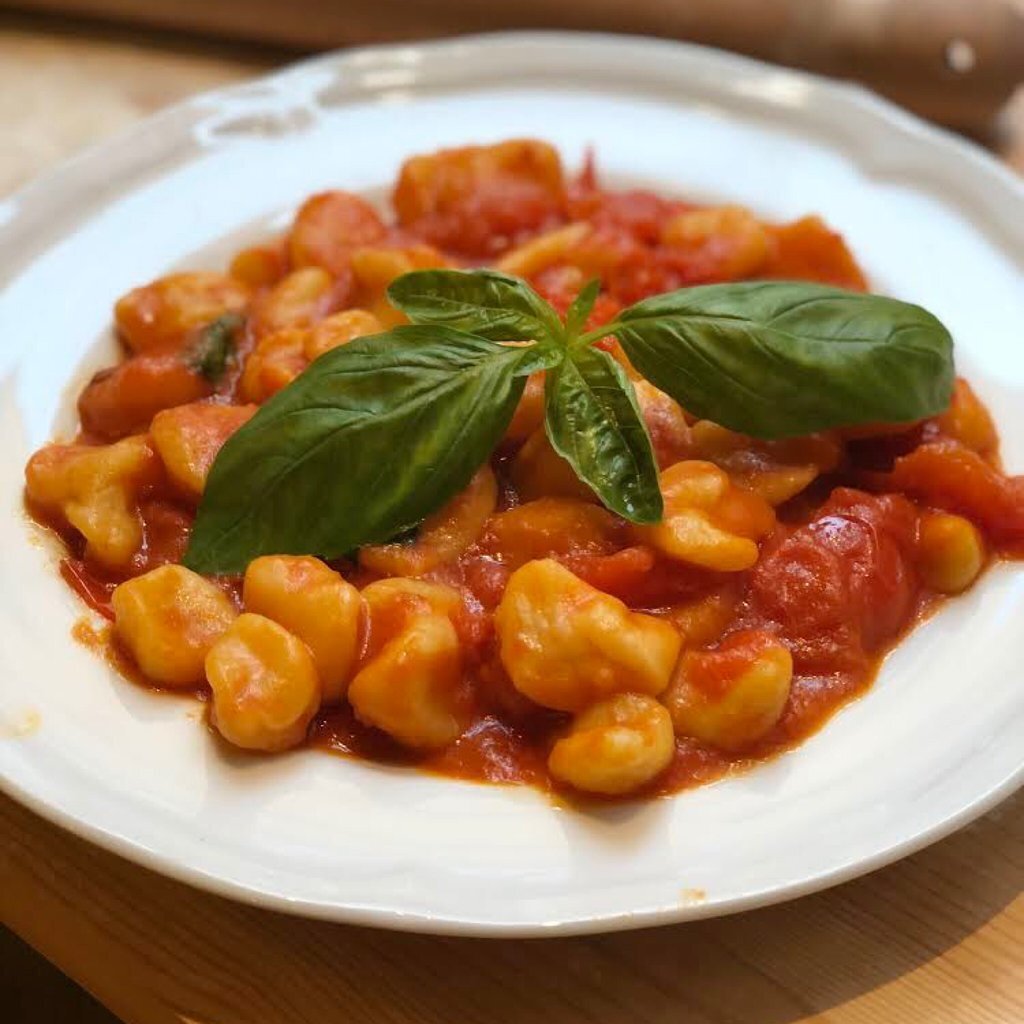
<point x="774" y="470"/>
<point x="316" y="604"/>
<point x="548" y="527"/>
<point x="168" y="619"/>
<point x="188" y="438"/>
<point x="732" y="696"/>
<point x="96" y="490"/>
<point x="410" y="689"/>
<point x="328" y="227"/>
<point x="708" y="521"/>
<point x="275" y="362"/>
<point x="730" y="239"/>
<point x="565" y="644"/>
<point x="300" y="299"/>
<point x="443" y="536"/>
<point x="166" y="311"/>
<point x="616" y="746"/>
<point x="264" y="684"/>
<point x="339" y="329"/>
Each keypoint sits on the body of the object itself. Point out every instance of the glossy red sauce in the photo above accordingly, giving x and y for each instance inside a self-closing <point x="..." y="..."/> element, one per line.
<point x="836" y="579"/>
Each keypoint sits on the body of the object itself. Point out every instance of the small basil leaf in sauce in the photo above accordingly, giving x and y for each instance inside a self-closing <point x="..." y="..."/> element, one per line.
<point x="779" y="359"/>
<point x="215" y="347"/>
<point x="483" y="302"/>
<point x="368" y="441"/>
<point x="593" y="421"/>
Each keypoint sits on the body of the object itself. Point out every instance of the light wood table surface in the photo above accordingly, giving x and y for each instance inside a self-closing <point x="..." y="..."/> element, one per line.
<point x="935" y="939"/>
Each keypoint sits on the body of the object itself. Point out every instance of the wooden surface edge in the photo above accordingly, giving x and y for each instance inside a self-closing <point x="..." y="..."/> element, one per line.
<point x="935" y="938"/>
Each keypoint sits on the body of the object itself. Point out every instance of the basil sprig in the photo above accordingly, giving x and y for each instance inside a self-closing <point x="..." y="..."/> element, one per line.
<point x="376" y="435"/>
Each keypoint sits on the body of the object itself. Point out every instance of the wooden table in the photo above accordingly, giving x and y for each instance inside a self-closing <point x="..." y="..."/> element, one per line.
<point x="937" y="938"/>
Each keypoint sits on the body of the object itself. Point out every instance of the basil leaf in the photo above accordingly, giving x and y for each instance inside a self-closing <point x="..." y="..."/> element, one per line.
<point x="483" y="302"/>
<point x="778" y="359"/>
<point x="215" y="347"/>
<point x="593" y="420"/>
<point x="582" y="305"/>
<point x="369" y="440"/>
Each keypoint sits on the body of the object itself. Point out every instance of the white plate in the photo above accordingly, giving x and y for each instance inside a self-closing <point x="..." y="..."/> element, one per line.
<point x="937" y="741"/>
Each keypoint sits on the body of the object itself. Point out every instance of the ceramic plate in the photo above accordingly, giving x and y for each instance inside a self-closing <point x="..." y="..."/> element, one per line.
<point x="938" y="740"/>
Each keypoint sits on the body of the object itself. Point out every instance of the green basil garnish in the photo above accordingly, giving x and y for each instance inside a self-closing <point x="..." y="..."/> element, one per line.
<point x="215" y="347"/>
<point x="583" y="304"/>
<point x="593" y="421"/>
<point x="378" y="434"/>
<point x="779" y="359"/>
<point x="483" y="302"/>
<point x="371" y="439"/>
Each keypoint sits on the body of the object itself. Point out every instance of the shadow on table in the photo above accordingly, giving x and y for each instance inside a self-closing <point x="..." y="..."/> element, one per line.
<point x="33" y="991"/>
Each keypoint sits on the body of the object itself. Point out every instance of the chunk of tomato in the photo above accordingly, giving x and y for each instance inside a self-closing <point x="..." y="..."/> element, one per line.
<point x="842" y="584"/>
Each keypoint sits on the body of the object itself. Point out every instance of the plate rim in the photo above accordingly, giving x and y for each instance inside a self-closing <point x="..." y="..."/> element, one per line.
<point x="986" y="173"/>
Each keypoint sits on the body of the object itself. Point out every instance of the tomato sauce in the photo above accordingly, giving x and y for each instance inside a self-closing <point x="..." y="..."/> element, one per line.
<point x="836" y="580"/>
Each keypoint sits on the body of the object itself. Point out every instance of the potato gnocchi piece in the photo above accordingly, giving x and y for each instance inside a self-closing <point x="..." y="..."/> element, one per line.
<point x="732" y="696"/>
<point x="551" y="526"/>
<point x="565" y="644"/>
<point x="275" y="362"/>
<point x="731" y="239"/>
<point x="329" y="226"/>
<point x="409" y="683"/>
<point x="544" y="251"/>
<point x="339" y="329"/>
<point x="188" y="438"/>
<point x="315" y="603"/>
<point x="264" y="683"/>
<point x="300" y="299"/>
<point x="261" y="266"/>
<point x="709" y="521"/>
<point x="375" y="268"/>
<point x="775" y="470"/>
<point x="410" y="689"/>
<point x="443" y="536"/>
<point x="392" y="603"/>
<point x="168" y="619"/>
<point x="96" y="489"/>
<point x="950" y="552"/>
<point x="435" y="181"/>
<point x="166" y="311"/>
<point x="704" y="620"/>
<point x="615" y="746"/>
